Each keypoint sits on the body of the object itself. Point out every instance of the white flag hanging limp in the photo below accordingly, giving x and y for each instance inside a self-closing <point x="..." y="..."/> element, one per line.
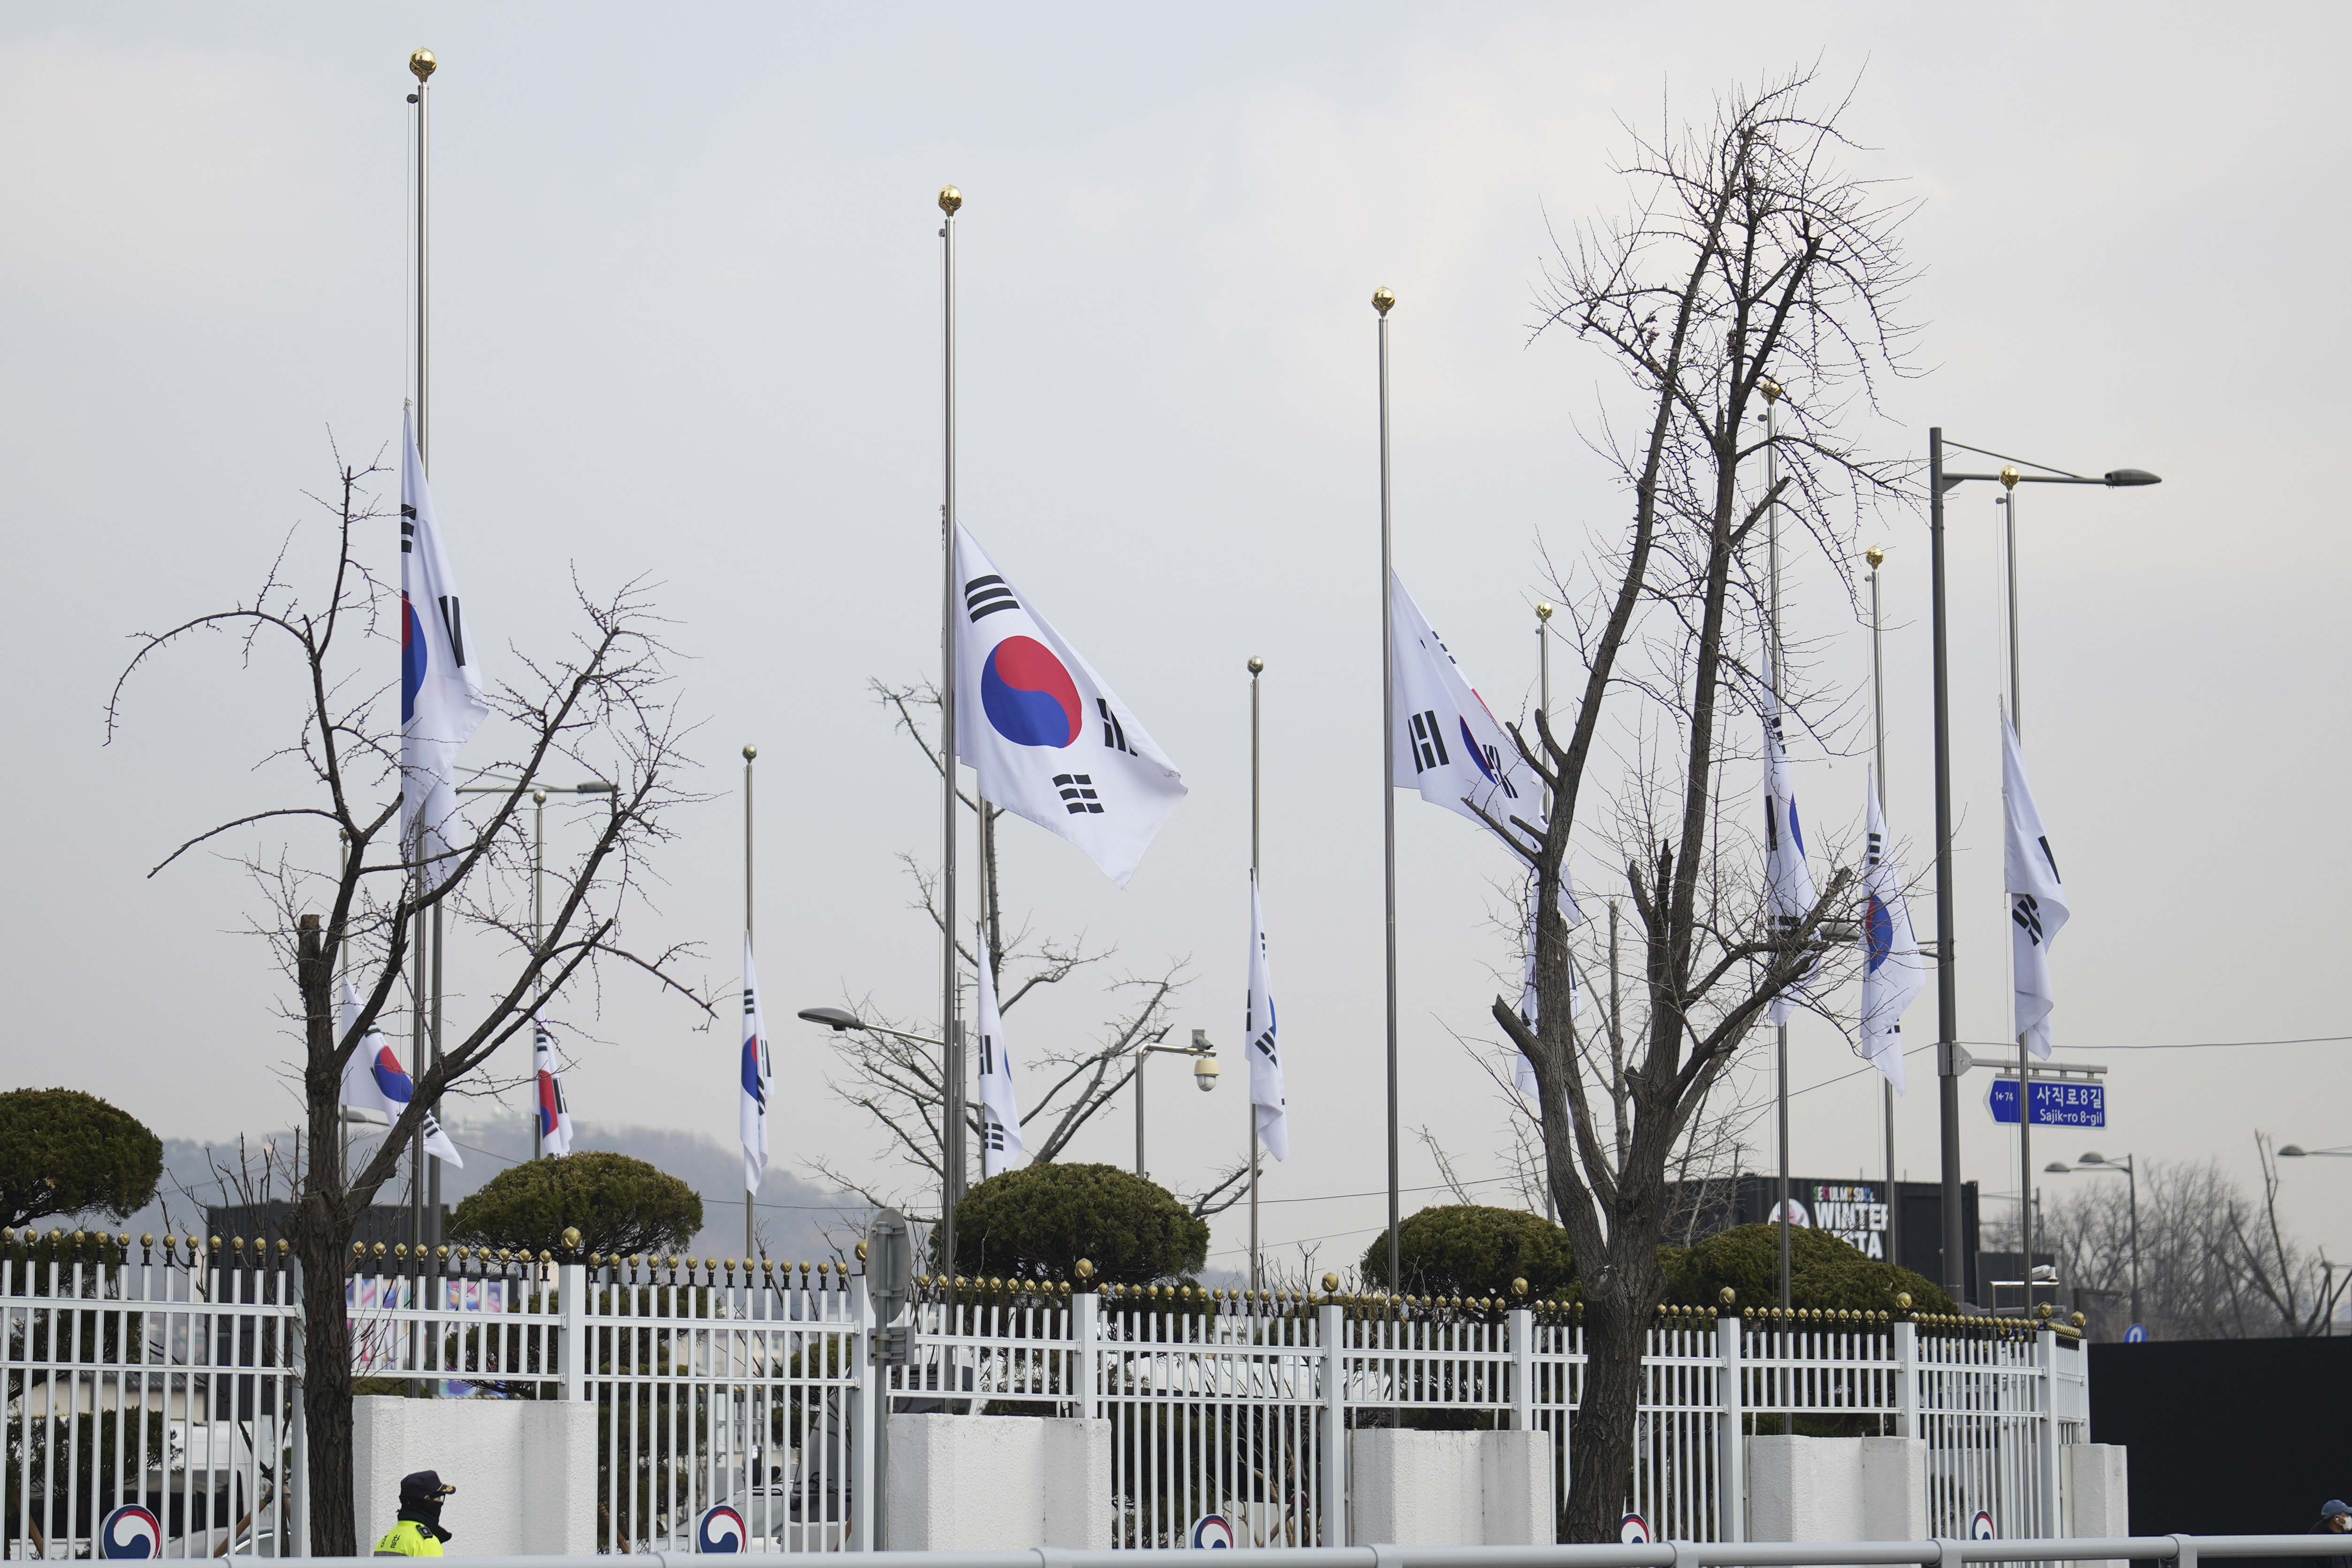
<point x="554" y="1113"/>
<point x="1050" y="741"/>
<point x="1271" y="1105"/>
<point x="2037" y="899"/>
<point x="373" y="1080"/>
<point x="999" y="1107"/>
<point x="1893" y="973"/>
<point x="1788" y="880"/>
<point x="441" y="701"/>
<point x="1571" y="912"/>
<point x="1447" y="745"/>
<point x="759" y="1074"/>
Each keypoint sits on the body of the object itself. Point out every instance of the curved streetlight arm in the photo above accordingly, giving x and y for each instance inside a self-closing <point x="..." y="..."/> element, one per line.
<point x="841" y="1022"/>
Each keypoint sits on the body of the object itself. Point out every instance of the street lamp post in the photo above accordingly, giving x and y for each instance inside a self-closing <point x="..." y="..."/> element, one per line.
<point x="1204" y="1073"/>
<point x="2095" y="1162"/>
<point x="1949" y="1057"/>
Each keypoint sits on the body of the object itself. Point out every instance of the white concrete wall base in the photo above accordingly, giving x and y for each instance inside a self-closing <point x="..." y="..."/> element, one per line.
<point x="1450" y="1489"/>
<point x="993" y="1483"/>
<point x="1837" y="1489"/>
<point x="2095" y="1493"/>
<point x="525" y="1470"/>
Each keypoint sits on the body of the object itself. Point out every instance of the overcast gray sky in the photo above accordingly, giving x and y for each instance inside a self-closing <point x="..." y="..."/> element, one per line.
<point x="686" y="309"/>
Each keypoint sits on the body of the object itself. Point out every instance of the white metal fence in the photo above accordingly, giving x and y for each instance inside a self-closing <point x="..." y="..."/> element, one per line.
<point x="150" y="1375"/>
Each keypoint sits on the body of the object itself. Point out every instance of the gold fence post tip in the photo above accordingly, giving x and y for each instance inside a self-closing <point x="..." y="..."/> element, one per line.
<point x="421" y="64"/>
<point x="1331" y="1283"/>
<point x="949" y="200"/>
<point x="1384" y="301"/>
<point x="572" y="1238"/>
<point x="1086" y="1269"/>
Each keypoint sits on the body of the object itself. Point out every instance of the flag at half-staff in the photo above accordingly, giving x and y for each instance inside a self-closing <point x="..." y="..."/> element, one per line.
<point x="1050" y="741"/>
<point x="1000" y="1107"/>
<point x="1788" y="880"/>
<point x="441" y="701"/>
<point x="373" y="1080"/>
<point x="759" y="1076"/>
<point x="1893" y="973"/>
<point x="2037" y="899"/>
<point x="1572" y="916"/>
<point x="1447" y="745"/>
<point x="554" y="1114"/>
<point x="1269" y="1103"/>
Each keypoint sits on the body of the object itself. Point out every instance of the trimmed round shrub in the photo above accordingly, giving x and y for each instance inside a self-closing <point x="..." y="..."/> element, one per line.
<point x="64" y="1152"/>
<point x="1036" y="1222"/>
<point x="1467" y="1249"/>
<point x="619" y="1205"/>
<point x="1823" y="1271"/>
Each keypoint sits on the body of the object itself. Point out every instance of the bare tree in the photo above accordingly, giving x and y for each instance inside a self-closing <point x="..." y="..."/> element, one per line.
<point x="898" y="1080"/>
<point x="601" y="704"/>
<point x="1749" y="260"/>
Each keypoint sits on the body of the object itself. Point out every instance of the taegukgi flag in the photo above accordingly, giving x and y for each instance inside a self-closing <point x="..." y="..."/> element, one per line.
<point x="1893" y="973"/>
<point x="373" y="1080"/>
<point x="1788" y="880"/>
<point x="2037" y="900"/>
<point x="1270" y="1104"/>
<point x="999" y="1107"/>
<point x="441" y="701"/>
<point x="554" y="1114"/>
<point x="1050" y="741"/>
<point x="1573" y="916"/>
<point x="759" y="1074"/>
<point x="1447" y="745"/>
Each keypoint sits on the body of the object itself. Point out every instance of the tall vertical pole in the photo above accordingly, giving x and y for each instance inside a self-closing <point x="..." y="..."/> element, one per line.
<point x="1256" y="668"/>
<point x="1948" y="994"/>
<point x="2008" y="477"/>
<point x="951" y="1036"/>
<point x="750" y="1219"/>
<point x="1543" y="703"/>
<point x="1383" y="302"/>
<point x="1877" y="558"/>
<point x="420" y="65"/>
<point x="1772" y="641"/>
<point x="538" y="930"/>
<point x="2131" y="1175"/>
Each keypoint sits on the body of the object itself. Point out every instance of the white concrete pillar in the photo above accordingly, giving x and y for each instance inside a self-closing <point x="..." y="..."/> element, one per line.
<point x="996" y="1483"/>
<point x="525" y="1470"/>
<point x="1451" y="1488"/>
<point x="2096" y="1491"/>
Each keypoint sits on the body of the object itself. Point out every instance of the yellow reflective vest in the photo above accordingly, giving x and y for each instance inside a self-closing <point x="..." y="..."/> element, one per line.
<point x="408" y="1539"/>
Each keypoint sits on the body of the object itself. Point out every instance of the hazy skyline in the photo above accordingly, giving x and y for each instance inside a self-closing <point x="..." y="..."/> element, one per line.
<point x="686" y="300"/>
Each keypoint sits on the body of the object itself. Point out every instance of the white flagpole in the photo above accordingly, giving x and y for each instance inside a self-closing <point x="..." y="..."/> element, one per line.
<point x="750" y="1219"/>
<point x="1543" y="698"/>
<point x="1384" y="301"/>
<point x="1877" y="556"/>
<point x="2008" y="477"/>
<point x="1771" y="390"/>
<point x="1256" y="668"/>
<point x="951" y="1047"/>
<point x="422" y="65"/>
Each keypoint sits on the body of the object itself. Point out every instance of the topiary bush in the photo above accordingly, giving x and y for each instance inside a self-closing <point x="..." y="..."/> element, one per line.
<point x="619" y="1205"/>
<point x="1036" y="1222"/>
<point x="1823" y="1271"/>
<point x="1467" y="1249"/>
<point x="64" y="1152"/>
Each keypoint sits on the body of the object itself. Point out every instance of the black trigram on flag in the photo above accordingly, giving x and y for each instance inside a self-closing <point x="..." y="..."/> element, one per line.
<point x="987" y="595"/>
<point x="1263" y="1046"/>
<point x="407" y="528"/>
<point x="992" y="1135"/>
<point x="1078" y="793"/>
<point x="1428" y="743"/>
<point x="453" y="621"/>
<point x="987" y="1054"/>
<point x="2027" y="912"/>
<point x="1114" y="732"/>
<point x="1877" y="844"/>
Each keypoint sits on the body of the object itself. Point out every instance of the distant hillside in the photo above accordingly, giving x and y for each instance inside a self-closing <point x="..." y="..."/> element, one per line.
<point x="797" y="1218"/>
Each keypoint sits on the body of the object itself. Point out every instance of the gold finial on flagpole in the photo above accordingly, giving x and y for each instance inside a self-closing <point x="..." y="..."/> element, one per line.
<point x="422" y="64"/>
<point x="1874" y="556"/>
<point x="949" y="200"/>
<point x="1384" y="301"/>
<point x="2009" y="476"/>
<point x="1543" y="609"/>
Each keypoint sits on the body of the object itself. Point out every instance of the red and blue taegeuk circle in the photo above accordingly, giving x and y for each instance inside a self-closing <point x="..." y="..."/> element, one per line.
<point x="131" y="1530"/>
<point x="1028" y="694"/>
<point x="411" y="659"/>
<point x="391" y="1078"/>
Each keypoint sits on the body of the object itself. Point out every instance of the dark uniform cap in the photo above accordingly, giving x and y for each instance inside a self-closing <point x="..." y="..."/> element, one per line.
<point x="423" y="1486"/>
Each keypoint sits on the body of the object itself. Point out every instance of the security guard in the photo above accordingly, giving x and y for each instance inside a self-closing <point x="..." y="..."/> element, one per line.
<point x="418" y="1533"/>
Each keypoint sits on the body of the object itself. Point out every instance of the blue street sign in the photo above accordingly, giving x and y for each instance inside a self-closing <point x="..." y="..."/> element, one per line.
<point x="2057" y="1102"/>
<point x="2136" y="1334"/>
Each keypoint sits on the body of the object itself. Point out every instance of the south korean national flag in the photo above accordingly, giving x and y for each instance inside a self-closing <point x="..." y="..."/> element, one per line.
<point x="1270" y="1104"/>
<point x="374" y="1081"/>
<point x="553" y="1111"/>
<point x="1050" y="741"/>
<point x="2037" y="899"/>
<point x="999" y="1107"/>
<point x="1447" y="747"/>
<point x="1788" y="880"/>
<point x="758" y="1076"/>
<point x="1893" y="973"/>
<point x="441" y="701"/>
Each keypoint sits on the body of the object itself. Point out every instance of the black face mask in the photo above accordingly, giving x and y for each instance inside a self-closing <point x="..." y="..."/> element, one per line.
<point x="425" y="1511"/>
